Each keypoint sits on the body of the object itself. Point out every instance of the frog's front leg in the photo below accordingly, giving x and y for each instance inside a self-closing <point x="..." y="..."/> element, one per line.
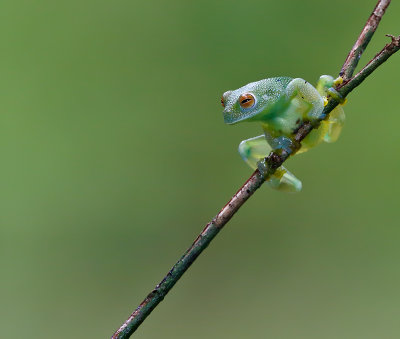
<point x="333" y="126"/>
<point x="253" y="150"/>
<point x="310" y="105"/>
<point x="306" y="92"/>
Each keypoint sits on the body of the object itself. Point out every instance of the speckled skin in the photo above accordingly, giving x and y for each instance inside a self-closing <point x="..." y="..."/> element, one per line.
<point x="281" y="105"/>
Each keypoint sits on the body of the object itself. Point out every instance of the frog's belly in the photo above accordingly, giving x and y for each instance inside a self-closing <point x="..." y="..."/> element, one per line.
<point x="315" y="137"/>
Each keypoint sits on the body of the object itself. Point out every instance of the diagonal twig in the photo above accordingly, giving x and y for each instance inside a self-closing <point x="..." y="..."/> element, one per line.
<point x="364" y="38"/>
<point x="272" y="162"/>
<point x="373" y="64"/>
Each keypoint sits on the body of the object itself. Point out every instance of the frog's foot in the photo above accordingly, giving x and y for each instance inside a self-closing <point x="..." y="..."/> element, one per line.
<point x="282" y="180"/>
<point x="326" y="87"/>
<point x="338" y="81"/>
<point x="254" y="149"/>
<point x="332" y="92"/>
<point x="285" y="143"/>
<point x="324" y="82"/>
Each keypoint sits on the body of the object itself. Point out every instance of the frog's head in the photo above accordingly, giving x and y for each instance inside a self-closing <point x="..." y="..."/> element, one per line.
<point x="244" y="103"/>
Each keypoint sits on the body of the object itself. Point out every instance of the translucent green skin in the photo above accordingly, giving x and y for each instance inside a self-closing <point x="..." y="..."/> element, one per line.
<point x="281" y="105"/>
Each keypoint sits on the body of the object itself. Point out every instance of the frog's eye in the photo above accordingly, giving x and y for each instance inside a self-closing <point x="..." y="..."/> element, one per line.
<point x="247" y="100"/>
<point x="222" y="101"/>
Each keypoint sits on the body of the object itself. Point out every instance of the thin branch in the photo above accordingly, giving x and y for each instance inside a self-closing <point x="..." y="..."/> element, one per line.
<point x="379" y="59"/>
<point x="272" y="162"/>
<point x="202" y="241"/>
<point x="361" y="43"/>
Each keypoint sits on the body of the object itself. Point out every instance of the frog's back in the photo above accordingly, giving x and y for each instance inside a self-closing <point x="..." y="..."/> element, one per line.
<point x="273" y="88"/>
<point x="284" y="81"/>
<point x="278" y="82"/>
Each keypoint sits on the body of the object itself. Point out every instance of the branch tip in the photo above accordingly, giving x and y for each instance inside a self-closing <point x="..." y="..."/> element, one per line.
<point x="395" y="39"/>
<point x="363" y="40"/>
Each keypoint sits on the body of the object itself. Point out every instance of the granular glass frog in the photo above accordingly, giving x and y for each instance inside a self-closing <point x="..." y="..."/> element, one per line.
<point x="281" y="105"/>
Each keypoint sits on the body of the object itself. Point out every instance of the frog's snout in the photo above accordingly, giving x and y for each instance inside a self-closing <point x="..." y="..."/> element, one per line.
<point x="226" y="94"/>
<point x="229" y="113"/>
<point x="229" y="116"/>
<point x="224" y="98"/>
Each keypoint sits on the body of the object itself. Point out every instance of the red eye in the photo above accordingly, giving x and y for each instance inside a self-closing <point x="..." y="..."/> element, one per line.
<point x="222" y="102"/>
<point x="247" y="100"/>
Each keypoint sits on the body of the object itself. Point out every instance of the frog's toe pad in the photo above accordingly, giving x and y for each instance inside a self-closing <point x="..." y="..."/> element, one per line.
<point x="284" y="181"/>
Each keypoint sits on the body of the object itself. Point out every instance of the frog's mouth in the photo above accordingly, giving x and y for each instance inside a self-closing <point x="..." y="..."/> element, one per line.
<point x="231" y="118"/>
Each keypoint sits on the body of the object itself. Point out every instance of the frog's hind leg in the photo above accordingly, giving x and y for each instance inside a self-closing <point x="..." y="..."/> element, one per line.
<point x="334" y="124"/>
<point x="253" y="150"/>
<point x="285" y="181"/>
<point x="310" y="105"/>
<point x="306" y="92"/>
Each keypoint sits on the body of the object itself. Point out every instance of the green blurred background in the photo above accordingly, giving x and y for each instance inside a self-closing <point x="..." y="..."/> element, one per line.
<point x="114" y="155"/>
